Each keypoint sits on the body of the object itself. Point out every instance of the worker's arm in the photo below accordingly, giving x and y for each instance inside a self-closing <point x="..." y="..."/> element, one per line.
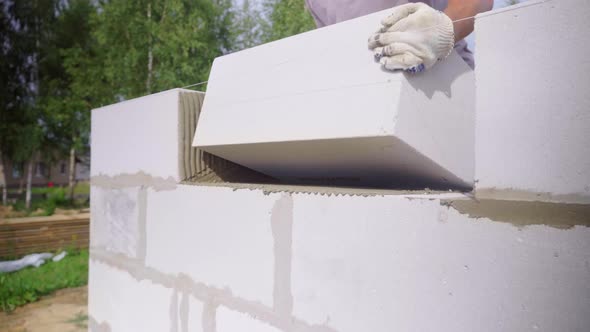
<point x="460" y="9"/>
<point x="415" y="36"/>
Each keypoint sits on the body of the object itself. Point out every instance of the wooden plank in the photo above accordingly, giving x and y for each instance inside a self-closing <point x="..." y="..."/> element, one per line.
<point x="23" y="236"/>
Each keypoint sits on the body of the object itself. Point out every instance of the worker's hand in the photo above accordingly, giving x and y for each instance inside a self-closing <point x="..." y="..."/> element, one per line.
<point x="413" y="38"/>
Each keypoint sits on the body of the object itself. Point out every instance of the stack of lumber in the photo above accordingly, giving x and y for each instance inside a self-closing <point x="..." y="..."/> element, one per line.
<point x="21" y="236"/>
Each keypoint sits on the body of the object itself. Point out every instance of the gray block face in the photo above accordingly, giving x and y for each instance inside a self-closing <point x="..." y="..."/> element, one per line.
<point x="294" y="100"/>
<point x="533" y="119"/>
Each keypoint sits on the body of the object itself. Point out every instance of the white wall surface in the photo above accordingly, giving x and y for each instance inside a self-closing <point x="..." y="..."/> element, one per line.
<point x="230" y="321"/>
<point x="229" y="237"/>
<point x="137" y="135"/>
<point x="533" y="119"/>
<point x="306" y="262"/>
<point x="306" y="90"/>
<point x="126" y="304"/>
<point x="389" y="263"/>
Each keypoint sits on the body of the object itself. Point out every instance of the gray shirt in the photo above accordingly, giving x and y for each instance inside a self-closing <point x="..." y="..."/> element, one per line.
<point x="327" y="12"/>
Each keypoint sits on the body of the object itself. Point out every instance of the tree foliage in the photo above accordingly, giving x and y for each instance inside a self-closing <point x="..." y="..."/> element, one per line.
<point x="61" y="58"/>
<point x="249" y="26"/>
<point x="151" y="46"/>
<point x="286" y="18"/>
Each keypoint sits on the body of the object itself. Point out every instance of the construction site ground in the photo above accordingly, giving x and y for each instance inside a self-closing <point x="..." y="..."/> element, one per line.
<point x="64" y="311"/>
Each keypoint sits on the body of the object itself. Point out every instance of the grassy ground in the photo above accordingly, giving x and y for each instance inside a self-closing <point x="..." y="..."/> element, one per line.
<point x="81" y="188"/>
<point x="28" y="285"/>
<point x="66" y="310"/>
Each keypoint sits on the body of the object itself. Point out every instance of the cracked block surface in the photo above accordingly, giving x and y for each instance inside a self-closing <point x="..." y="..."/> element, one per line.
<point x="216" y="236"/>
<point x="293" y="103"/>
<point x="123" y="303"/>
<point x="533" y="122"/>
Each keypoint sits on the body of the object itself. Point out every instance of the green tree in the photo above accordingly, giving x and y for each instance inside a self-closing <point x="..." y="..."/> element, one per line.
<point x="26" y="25"/>
<point x="249" y="26"/>
<point x="13" y="74"/>
<point x="151" y="45"/>
<point x="286" y="18"/>
<point x="65" y="109"/>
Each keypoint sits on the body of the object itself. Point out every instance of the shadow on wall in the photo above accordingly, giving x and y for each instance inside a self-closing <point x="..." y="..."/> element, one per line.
<point x="447" y="74"/>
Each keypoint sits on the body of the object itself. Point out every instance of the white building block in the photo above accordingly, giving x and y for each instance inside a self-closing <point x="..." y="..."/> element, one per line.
<point x="317" y="107"/>
<point x="398" y="264"/>
<point x="195" y="317"/>
<point x="126" y="304"/>
<point x="115" y="220"/>
<point x="215" y="236"/>
<point x="232" y="321"/>
<point x="533" y="119"/>
<point x="139" y="135"/>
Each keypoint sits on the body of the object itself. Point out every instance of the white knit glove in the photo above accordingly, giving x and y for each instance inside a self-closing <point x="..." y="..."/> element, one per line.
<point x="413" y="38"/>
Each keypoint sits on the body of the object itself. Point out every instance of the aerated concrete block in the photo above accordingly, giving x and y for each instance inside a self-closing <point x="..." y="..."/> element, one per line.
<point x="215" y="236"/>
<point x="195" y="316"/>
<point x="533" y="119"/>
<point x="116" y="224"/>
<point x="146" y="135"/>
<point x="232" y="321"/>
<point x="398" y="264"/>
<point x="119" y="302"/>
<point x="317" y="108"/>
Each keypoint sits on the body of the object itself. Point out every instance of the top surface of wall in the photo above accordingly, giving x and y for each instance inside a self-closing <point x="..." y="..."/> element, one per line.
<point x="533" y="123"/>
<point x="138" y="135"/>
<point x="323" y="84"/>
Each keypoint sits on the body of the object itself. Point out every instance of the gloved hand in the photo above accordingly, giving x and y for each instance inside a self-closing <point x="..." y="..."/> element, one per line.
<point x="413" y="38"/>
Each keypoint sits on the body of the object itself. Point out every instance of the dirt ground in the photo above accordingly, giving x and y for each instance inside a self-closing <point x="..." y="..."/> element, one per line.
<point x="64" y="311"/>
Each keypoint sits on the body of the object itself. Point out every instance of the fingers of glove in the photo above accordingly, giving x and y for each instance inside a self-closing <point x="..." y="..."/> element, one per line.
<point x="378" y="53"/>
<point x="403" y="61"/>
<point x="399" y="13"/>
<point x="383" y="39"/>
<point x="394" y="49"/>
<point x="398" y="48"/>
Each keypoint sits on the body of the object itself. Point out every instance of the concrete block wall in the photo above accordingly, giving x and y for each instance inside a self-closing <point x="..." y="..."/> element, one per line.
<point x="174" y="256"/>
<point x="532" y="119"/>
<point x="177" y="256"/>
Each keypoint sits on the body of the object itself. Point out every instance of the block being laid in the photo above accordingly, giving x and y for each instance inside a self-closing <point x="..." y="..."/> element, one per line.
<point x="317" y="108"/>
<point x="533" y="124"/>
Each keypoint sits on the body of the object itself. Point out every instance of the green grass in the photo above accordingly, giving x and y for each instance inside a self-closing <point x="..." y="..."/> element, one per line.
<point x="80" y="188"/>
<point x="53" y="198"/>
<point x="80" y="321"/>
<point x="28" y="285"/>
